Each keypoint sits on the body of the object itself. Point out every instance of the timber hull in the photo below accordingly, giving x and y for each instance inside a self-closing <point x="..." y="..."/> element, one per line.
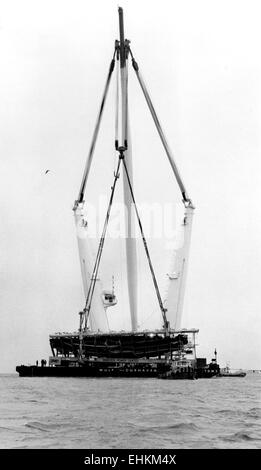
<point x="141" y="354"/>
<point x="125" y="345"/>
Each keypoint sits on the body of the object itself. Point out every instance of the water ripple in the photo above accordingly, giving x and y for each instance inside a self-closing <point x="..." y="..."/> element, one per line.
<point x="129" y="413"/>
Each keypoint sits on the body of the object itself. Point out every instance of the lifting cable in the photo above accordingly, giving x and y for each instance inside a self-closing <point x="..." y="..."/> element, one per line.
<point x="100" y="248"/>
<point x="116" y="176"/>
<point x="102" y="240"/>
<point x="163" y="310"/>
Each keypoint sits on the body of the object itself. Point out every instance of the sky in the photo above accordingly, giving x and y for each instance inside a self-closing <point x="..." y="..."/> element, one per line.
<point x="202" y="65"/>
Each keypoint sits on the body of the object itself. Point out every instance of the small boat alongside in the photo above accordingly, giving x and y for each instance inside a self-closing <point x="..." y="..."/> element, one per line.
<point x="227" y="372"/>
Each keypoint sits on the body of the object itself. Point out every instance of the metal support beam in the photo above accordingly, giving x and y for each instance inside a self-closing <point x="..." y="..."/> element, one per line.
<point x="186" y="199"/>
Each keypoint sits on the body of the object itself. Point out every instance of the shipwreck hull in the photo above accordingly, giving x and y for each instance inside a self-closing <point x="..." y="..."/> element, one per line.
<point x="139" y="354"/>
<point x="128" y="345"/>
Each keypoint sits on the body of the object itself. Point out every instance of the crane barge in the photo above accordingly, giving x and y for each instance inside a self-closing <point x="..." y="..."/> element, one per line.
<point x="95" y="350"/>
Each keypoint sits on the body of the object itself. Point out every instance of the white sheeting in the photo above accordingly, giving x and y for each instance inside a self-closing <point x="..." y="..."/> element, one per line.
<point x="98" y="318"/>
<point x="178" y="272"/>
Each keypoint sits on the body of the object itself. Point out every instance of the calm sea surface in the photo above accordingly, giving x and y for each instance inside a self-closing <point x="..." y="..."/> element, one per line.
<point x="86" y="413"/>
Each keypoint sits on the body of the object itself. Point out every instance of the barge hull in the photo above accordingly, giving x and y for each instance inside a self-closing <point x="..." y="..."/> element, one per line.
<point x="97" y="369"/>
<point x="88" y="371"/>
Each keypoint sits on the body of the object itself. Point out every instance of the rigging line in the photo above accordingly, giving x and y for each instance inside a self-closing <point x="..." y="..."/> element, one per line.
<point x="179" y="294"/>
<point x="100" y="248"/>
<point x="95" y="133"/>
<point x="102" y="239"/>
<point x="186" y="199"/>
<point x="163" y="310"/>
<point x="97" y="261"/>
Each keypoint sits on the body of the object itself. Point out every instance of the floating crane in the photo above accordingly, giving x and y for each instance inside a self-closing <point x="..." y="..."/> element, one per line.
<point x="94" y="312"/>
<point x="95" y="350"/>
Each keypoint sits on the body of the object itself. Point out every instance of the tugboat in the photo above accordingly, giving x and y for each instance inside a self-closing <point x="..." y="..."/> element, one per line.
<point x="95" y="350"/>
<point x="227" y="372"/>
<point x="207" y="371"/>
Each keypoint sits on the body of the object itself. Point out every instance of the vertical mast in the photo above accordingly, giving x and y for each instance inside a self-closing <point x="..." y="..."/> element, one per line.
<point x="122" y="39"/>
<point x="131" y="254"/>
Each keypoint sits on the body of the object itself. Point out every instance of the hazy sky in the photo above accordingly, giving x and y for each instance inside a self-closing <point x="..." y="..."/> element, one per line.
<point x="201" y="61"/>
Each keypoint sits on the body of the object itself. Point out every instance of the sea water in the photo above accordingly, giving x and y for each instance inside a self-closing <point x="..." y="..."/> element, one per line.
<point x="124" y="413"/>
